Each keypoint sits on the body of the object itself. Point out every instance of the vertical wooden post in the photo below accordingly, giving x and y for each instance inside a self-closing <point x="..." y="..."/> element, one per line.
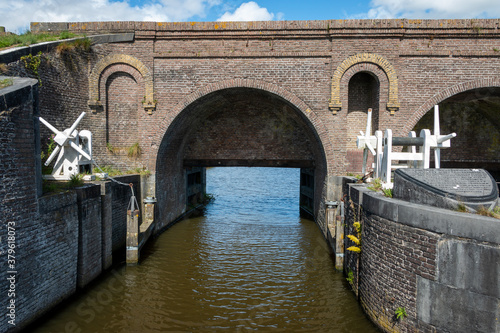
<point x="132" y="236"/>
<point x="339" y="238"/>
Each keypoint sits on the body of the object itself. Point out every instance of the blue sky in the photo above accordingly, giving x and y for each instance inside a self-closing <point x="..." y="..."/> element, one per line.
<point x="16" y="15"/>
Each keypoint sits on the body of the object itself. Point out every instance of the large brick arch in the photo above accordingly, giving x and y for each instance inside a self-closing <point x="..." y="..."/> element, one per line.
<point x="114" y="59"/>
<point x="392" y="104"/>
<point x="314" y="120"/>
<point x="445" y="94"/>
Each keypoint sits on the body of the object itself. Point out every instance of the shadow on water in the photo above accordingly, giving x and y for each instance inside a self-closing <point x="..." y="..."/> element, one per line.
<point x="249" y="262"/>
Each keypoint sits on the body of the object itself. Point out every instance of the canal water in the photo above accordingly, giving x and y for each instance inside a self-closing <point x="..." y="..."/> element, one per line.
<point x="249" y="263"/>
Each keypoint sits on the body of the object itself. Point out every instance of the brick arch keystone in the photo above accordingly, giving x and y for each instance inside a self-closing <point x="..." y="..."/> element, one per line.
<point x="447" y="93"/>
<point x="311" y="116"/>
<point x="393" y="103"/>
<point x="94" y="96"/>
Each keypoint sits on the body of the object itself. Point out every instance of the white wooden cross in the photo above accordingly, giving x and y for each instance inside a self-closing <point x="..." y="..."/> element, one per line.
<point x="74" y="149"/>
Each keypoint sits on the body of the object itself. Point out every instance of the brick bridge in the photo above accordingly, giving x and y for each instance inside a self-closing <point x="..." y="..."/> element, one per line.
<point x="292" y="94"/>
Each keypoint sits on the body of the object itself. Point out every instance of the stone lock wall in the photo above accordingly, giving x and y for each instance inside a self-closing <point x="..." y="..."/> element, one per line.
<point x="51" y="244"/>
<point x="440" y="266"/>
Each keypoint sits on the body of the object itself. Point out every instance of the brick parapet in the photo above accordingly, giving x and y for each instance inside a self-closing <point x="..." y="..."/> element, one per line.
<point x="319" y="27"/>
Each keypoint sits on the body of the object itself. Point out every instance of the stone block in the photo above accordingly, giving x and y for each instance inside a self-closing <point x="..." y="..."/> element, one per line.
<point x="456" y="310"/>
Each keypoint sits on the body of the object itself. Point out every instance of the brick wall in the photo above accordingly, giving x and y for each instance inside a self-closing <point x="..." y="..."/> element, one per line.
<point x="439" y="265"/>
<point x="89" y="234"/>
<point x="58" y="242"/>
<point x="107" y="225"/>
<point x="39" y="228"/>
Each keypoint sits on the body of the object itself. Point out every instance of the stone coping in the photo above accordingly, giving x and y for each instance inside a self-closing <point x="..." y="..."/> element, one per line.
<point x="438" y="220"/>
<point x="472" y="24"/>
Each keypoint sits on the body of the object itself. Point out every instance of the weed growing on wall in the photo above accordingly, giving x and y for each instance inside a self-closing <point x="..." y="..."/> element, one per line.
<point x="44" y="155"/>
<point x="400" y="313"/>
<point x="376" y="186"/>
<point x="134" y="151"/>
<point x="350" y="277"/>
<point x="32" y="64"/>
<point x="76" y="180"/>
<point x="488" y="212"/>
<point x="356" y="239"/>
<point x="79" y="45"/>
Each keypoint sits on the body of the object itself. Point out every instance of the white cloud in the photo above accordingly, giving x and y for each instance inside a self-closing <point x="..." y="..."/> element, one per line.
<point x="17" y="15"/>
<point x="249" y="11"/>
<point x="445" y="9"/>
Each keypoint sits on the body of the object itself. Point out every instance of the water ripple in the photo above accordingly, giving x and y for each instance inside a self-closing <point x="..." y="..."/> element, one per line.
<point x="249" y="264"/>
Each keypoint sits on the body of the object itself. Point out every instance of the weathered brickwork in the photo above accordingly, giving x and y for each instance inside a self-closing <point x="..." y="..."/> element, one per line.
<point x="392" y="282"/>
<point x="106" y="225"/>
<point x="50" y="260"/>
<point x="58" y="242"/>
<point x="89" y="234"/>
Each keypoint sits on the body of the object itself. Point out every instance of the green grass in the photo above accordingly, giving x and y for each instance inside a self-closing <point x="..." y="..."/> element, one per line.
<point x="112" y="172"/>
<point x="57" y="186"/>
<point x="6" y="83"/>
<point x="29" y="38"/>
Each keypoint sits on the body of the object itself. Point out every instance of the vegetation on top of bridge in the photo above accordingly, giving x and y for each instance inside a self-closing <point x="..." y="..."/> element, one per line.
<point x="29" y="38"/>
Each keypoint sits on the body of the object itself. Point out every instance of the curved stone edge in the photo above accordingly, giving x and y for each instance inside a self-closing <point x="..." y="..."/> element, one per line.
<point x="438" y="220"/>
<point x="21" y="91"/>
<point x="434" y="192"/>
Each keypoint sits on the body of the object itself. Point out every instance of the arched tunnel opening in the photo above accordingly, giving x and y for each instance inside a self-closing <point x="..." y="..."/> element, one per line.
<point x="236" y="127"/>
<point x="475" y="116"/>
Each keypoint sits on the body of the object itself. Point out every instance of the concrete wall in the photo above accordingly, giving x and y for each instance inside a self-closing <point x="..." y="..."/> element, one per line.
<point x="441" y="266"/>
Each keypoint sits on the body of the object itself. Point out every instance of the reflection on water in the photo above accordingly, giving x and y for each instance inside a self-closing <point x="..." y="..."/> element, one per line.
<point x="250" y="263"/>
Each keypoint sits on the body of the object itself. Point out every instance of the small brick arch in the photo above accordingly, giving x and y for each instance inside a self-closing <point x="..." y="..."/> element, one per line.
<point x="315" y="121"/>
<point x="392" y="104"/>
<point x="112" y="59"/>
<point x="375" y="71"/>
<point x="447" y="93"/>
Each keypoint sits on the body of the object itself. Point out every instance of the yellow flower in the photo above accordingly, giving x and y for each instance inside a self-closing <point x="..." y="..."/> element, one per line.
<point x="357" y="225"/>
<point x="354" y="239"/>
<point x="354" y="249"/>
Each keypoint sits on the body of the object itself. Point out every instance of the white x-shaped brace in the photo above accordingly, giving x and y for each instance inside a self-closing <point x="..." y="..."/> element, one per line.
<point x="65" y="138"/>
